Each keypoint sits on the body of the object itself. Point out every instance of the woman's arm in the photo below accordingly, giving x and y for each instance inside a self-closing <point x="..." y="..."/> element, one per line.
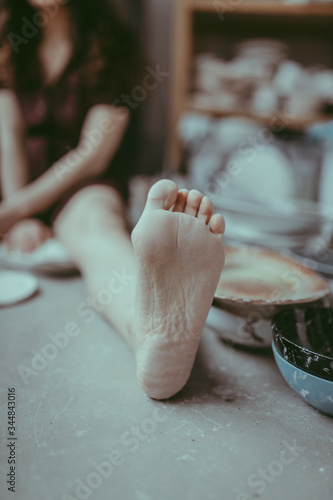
<point x="13" y="161"/>
<point x="101" y="135"/>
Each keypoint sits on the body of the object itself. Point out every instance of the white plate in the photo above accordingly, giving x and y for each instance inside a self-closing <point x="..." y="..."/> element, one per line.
<point x="49" y="258"/>
<point x="15" y="287"/>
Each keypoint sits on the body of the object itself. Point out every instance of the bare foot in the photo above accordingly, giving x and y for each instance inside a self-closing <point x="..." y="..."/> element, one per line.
<point x="27" y="235"/>
<point x="180" y="256"/>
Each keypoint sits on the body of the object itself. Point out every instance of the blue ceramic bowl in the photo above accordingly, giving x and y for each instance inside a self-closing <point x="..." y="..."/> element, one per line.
<point x="316" y="391"/>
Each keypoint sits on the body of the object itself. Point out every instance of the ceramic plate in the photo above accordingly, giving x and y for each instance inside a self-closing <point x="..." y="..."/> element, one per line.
<point x="15" y="287"/>
<point x="49" y="258"/>
<point x="254" y="275"/>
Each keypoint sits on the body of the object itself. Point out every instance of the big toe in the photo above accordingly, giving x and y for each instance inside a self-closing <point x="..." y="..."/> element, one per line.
<point x="162" y="195"/>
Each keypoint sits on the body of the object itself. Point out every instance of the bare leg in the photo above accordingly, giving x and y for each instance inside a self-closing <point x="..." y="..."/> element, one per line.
<point x="177" y="261"/>
<point x="92" y="226"/>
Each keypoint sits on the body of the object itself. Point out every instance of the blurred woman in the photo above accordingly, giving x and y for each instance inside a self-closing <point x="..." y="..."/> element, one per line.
<point x="65" y="143"/>
<point x="60" y="83"/>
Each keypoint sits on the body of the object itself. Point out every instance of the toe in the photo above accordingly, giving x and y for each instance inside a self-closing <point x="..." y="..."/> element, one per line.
<point x="193" y="203"/>
<point x="162" y="195"/>
<point x="217" y="225"/>
<point x="206" y="210"/>
<point x="180" y="204"/>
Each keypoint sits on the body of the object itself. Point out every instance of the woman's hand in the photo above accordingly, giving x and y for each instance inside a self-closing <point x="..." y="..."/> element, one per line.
<point x="27" y="235"/>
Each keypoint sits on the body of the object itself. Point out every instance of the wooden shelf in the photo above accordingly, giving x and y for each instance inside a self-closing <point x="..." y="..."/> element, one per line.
<point x="276" y="120"/>
<point x="265" y="7"/>
<point x="302" y="16"/>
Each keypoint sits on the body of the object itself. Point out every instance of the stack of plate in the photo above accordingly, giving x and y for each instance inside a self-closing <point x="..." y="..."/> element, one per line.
<point x="255" y="284"/>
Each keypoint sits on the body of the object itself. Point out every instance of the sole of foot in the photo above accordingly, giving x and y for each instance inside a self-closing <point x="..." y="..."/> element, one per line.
<point x="180" y="256"/>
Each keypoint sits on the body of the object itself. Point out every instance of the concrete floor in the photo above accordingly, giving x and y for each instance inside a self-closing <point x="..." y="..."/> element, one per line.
<point x="225" y="436"/>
